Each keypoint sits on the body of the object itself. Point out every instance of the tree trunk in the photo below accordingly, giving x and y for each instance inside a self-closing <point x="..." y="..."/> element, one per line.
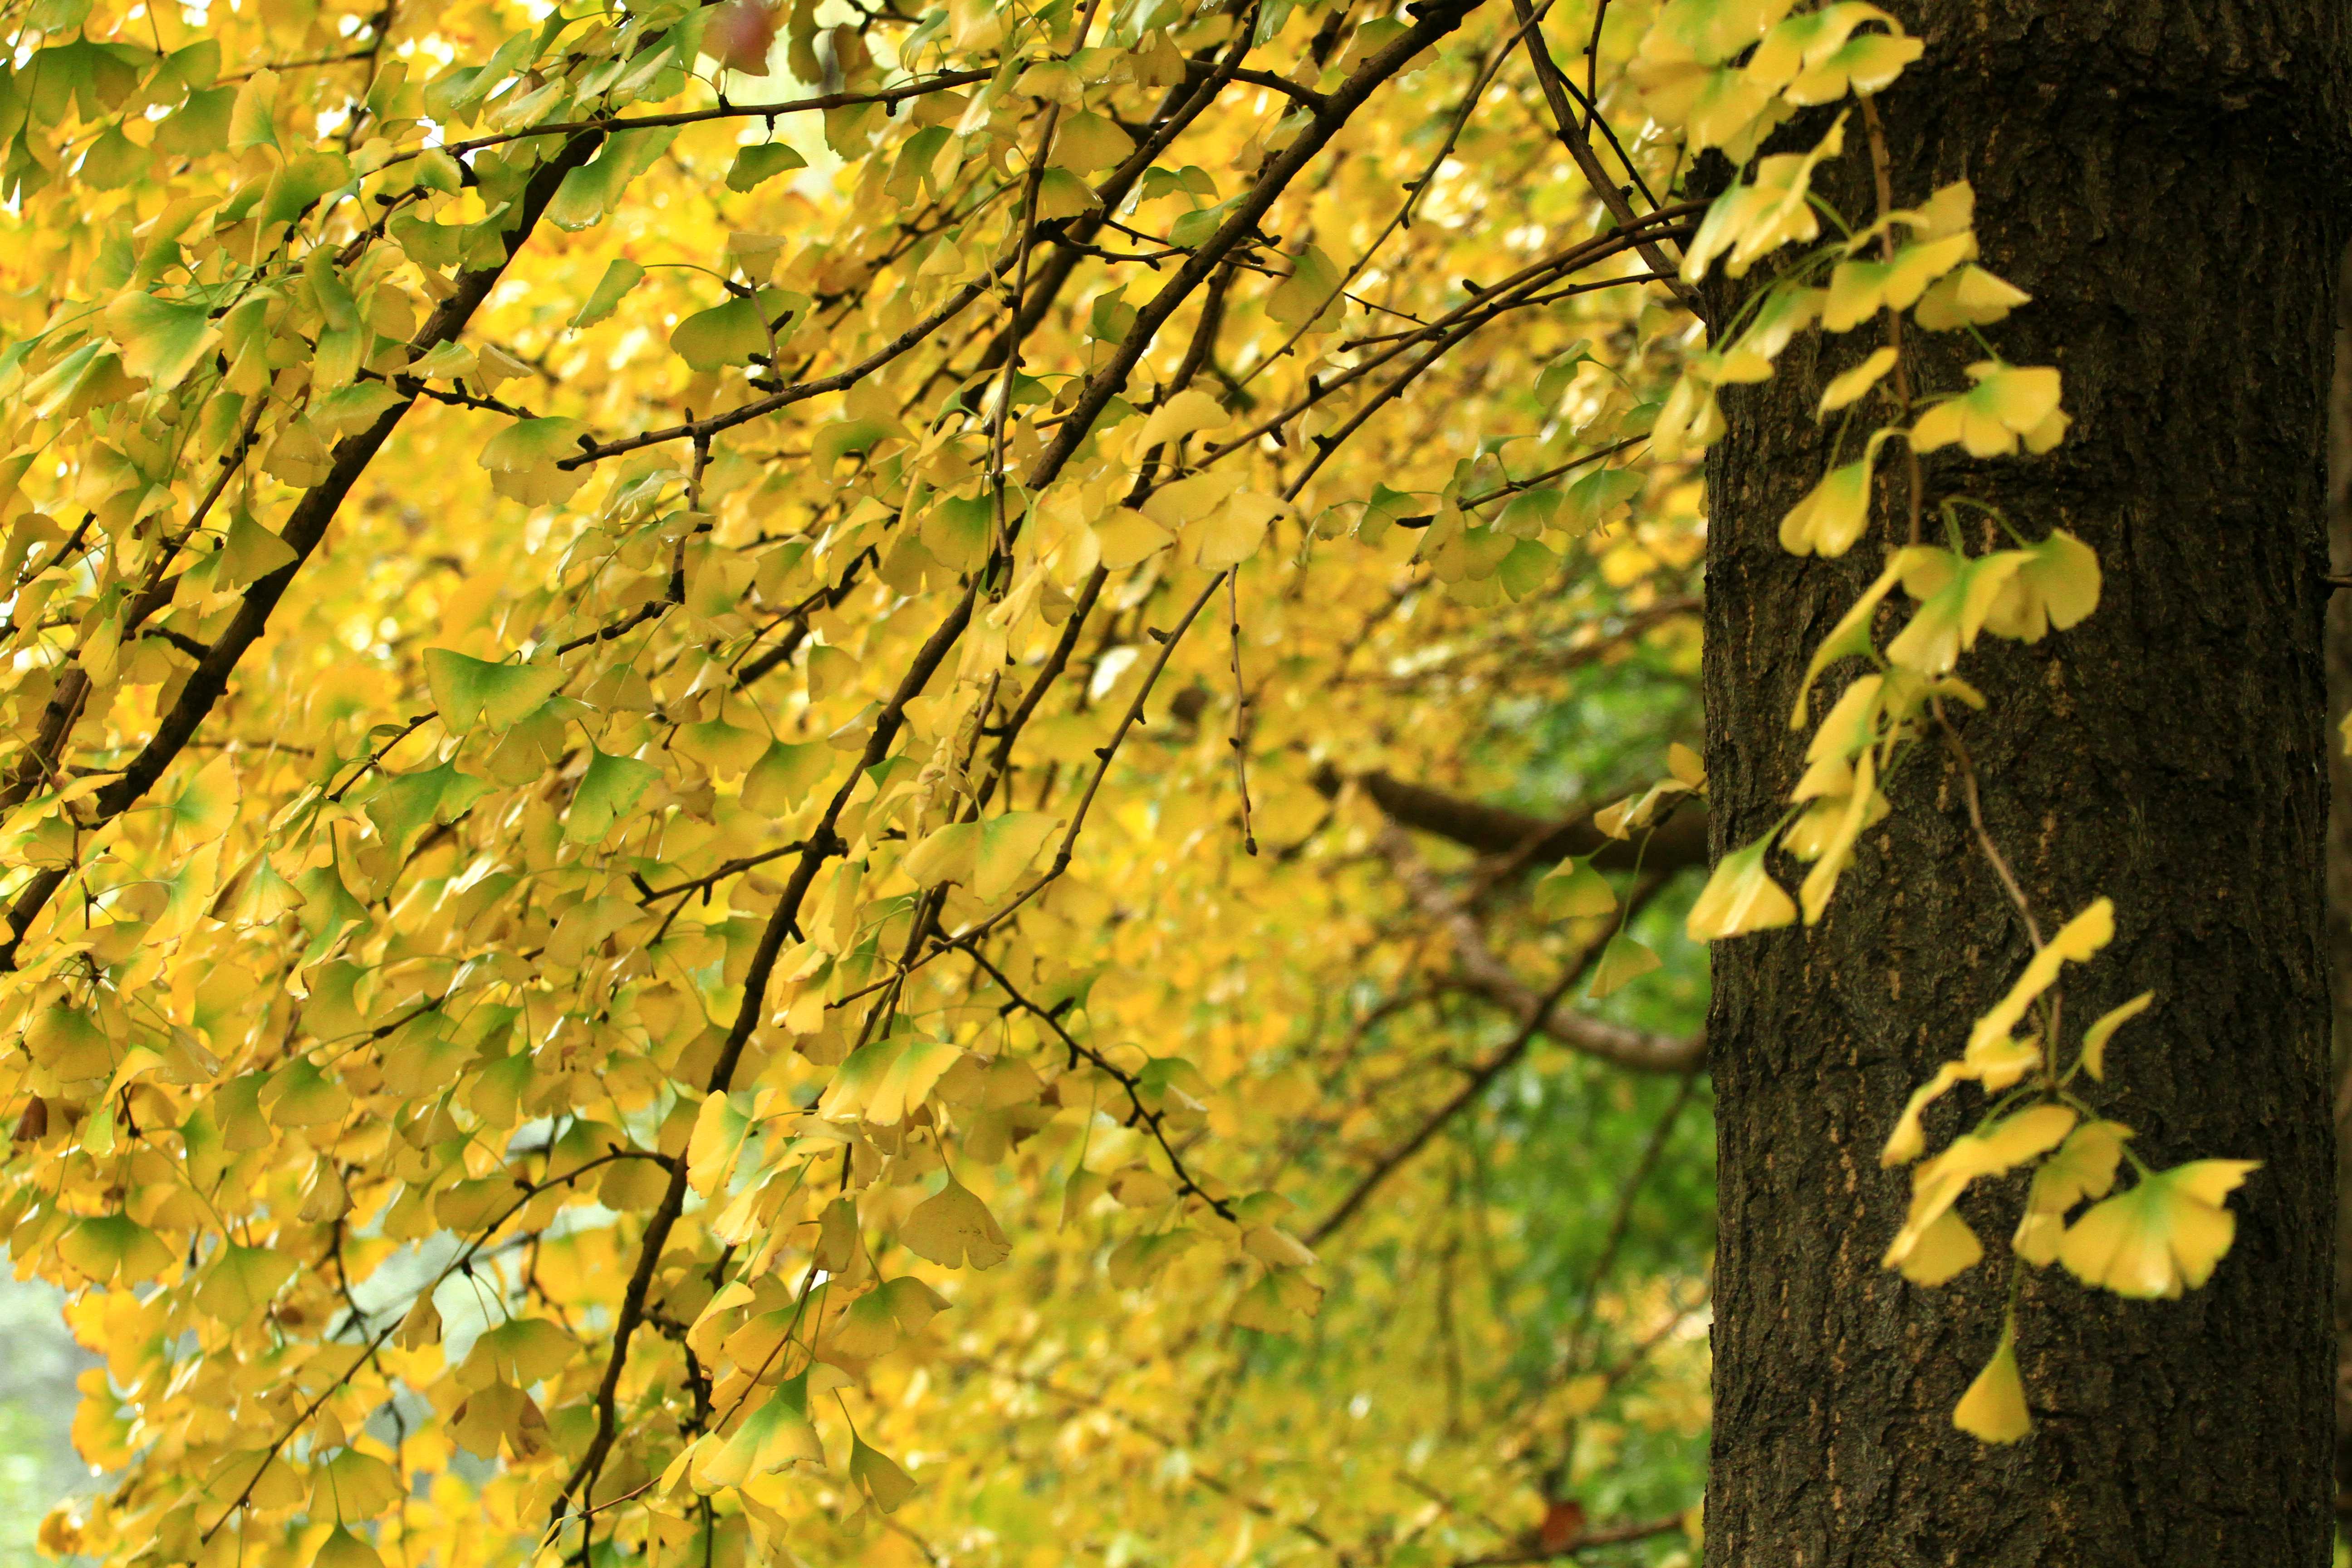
<point x="2339" y="848"/>
<point x="2167" y="178"/>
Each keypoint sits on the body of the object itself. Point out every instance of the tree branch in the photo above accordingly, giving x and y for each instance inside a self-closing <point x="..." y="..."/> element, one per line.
<point x="1678" y="844"/>
<point x="1488" y="975"/>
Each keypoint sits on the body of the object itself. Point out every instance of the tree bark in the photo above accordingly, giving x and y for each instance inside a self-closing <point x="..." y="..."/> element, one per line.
<point x="2339" y="848"/>
<point x="2167" y="178"/>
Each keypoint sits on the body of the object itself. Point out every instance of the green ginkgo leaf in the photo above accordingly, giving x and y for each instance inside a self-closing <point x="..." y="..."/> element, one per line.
<point x="607" y="790"/>
<point x="162" y="338"/>
<point x="406" y="804"/>
<point x="300" y="1094"/>
<point x="880" y="1475"/>
<point x="303" y="180"/>
<point x="1573" y="889"/>
<point x="755" y="165"/>
<point x="731" y="333"/>
<point x="114" y="1248"/>
<point x="471" y="692"/>
<point x="529" y="443"/>
<point x="784" y="776"/>
<point x="592" y="190"/>
<point x="605" y="298"/>
<point x="1309" y="296"/>
<point x="772" y="1436"/>
<point x="242" y="1281"/>
<point x="1622" y="961"/>
<point x="341" y="1549"/>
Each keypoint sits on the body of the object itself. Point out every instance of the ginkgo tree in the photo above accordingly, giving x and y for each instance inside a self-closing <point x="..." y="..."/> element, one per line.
<point x="708" y="712"/>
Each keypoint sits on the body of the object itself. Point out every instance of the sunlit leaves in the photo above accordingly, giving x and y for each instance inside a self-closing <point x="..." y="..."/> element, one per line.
<point x="241" y="1282"/>
<point x="162" y="338"/>
<point x="574" y="919"/>
<point x="469" y="691"/>
<point x="953" y="1228"/>
<point x="605" y="792"/>
<point x="621" y="275"/>
<point x="989" y="855"/>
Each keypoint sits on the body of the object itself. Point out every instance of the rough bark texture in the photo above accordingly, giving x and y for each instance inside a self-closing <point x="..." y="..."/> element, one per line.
<point x="2168" y="178"/>
<point x="2339" y="850"/>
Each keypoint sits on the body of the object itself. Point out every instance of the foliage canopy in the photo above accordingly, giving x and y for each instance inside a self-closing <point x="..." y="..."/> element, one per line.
<point x="700" y="699"/>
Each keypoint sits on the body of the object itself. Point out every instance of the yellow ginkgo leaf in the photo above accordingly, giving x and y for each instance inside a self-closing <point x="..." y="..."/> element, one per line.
<point x="2082" y="1167"/>
<point x="1909" y="1140"/>
<point x="776" y="1435"/>
<point x="1947" y="1246"/>
<point x="879" y="1475"/>
<point x="954" y="1229"/>
<point x="1185" y="414"/>
<point x="341" y="1549"/>
<point x="1860" y="289"/>
<point x="2007" y="402"/>
<point x="2076" y="941"/>
<point x="1574" y="890"/>
<point x="1752" y="220"/>
<point x="1849" y="388"/>
<point x="2164" y="1236"/>
<point x="1833" y="512"/>
<point x="2057" y="584"/>
<point x="352" y="1485"/>
<point x="1739" y="896"/>
<point x="1689" y="421"/>
<point x="1969" y="298"/>
<point x="2095" y="1037"/>
<point x="2000" y="1061"/>
<point x="1939" y="1184"/>
<point x="241" y="1282"/>
<point x="1993" y="1409"/>
<point x="1822" y="880"/>
<point x="1849" y="638"/>
<point x="1622" y="961"/>
<point x="1955" y="594"/>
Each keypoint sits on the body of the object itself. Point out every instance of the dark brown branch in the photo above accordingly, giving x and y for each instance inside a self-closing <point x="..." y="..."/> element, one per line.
<point x="1678" y="844"/>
